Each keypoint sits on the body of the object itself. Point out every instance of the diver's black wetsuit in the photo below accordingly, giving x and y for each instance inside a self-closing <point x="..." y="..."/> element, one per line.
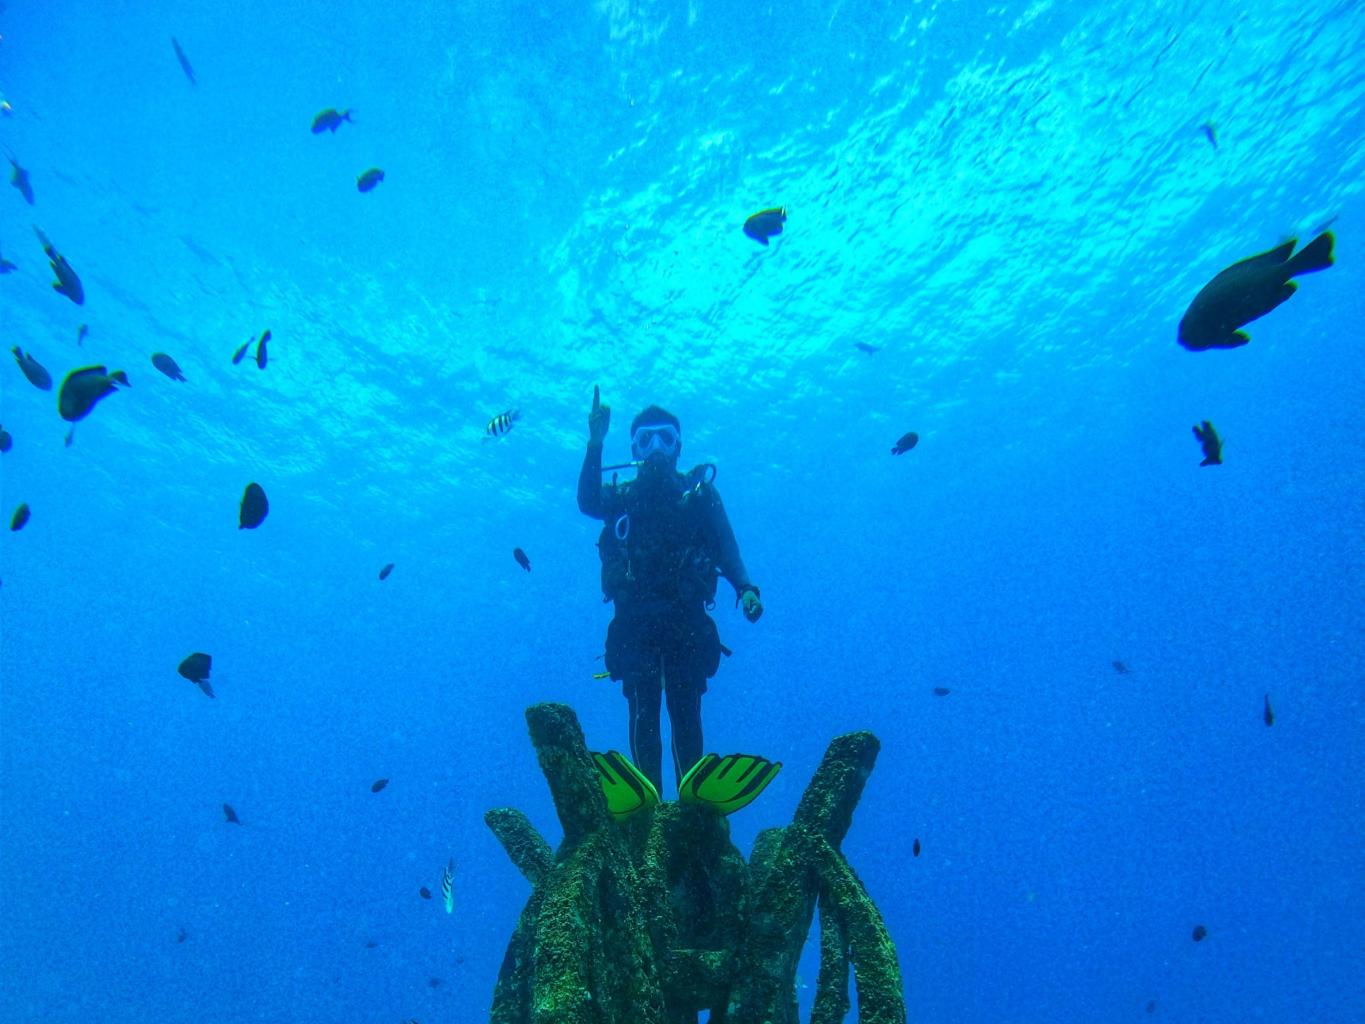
<point x="663" y="547"/>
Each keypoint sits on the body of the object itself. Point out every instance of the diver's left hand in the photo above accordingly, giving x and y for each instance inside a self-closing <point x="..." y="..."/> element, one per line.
<point x="753" y="607"/>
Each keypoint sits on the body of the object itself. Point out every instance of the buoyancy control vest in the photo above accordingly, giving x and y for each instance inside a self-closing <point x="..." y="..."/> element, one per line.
<point x="658" y="548"/>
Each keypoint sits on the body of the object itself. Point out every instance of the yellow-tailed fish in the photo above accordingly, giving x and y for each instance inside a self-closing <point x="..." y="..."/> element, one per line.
<point x="448" y="886"/>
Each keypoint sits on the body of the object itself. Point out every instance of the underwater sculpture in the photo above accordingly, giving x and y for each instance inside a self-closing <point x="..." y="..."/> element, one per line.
<point x="654" y="919"/>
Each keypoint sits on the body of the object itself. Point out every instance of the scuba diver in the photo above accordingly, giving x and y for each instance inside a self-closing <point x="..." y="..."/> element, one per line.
<point x="665" y="542"/>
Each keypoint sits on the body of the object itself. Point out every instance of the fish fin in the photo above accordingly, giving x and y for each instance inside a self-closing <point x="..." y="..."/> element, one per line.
<point x="1279" y="254"/>
<point x="1316" y="255"/>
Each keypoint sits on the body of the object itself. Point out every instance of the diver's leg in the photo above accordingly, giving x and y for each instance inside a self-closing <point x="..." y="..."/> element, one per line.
<point x="684" y="690"/>
<point x="646" y="748"/>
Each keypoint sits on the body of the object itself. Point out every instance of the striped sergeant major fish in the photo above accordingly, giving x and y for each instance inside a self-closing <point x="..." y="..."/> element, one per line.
<point x="448" y="886"/>
<point x="501" y="423"/>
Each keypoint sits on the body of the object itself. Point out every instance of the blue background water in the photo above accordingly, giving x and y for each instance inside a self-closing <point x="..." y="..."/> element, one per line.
<point x="1014" y="200"/>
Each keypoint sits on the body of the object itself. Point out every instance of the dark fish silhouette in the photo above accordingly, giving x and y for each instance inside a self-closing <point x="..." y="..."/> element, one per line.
<point x="378" y="784"/>
<point x="167" y="365"/>
<point x="371" y="944"/>
<point x="424" y="892"/>
<point x="863" y="346"/>
<point x="1210" y="442"/>
<point x="6" y="441"/>
<point x="906" y="442"/>
<point x="196" y="668"/>
<point x="70" y="436"/>
<point x="237" y="356"/>
<point x="184" y="61"/>
<point x="67" y="282"/>
<point x="433" y="983"/>
<point x="941" y="691"/>
<point x="181" y="935"/>
<point x="6" y="267"/>
<point x="231" y="815"/>
<point x="19" y="179"/>
<point x="35" y="371"/>
<point x="19" y="518"/>
<point x="1247" y="291"/>
<point x="1210" y="131"/>
<point x="1199" y="932"/>
<point x="1151" y="1006"/>
<point x="915" y="849"/>
<point x="521" y="558"/>
<point x="1268" y="714"/>
<point x="254" y="507"/>
<point x="81" y="332"/>
<point x="369" y="179"/>
<point x="1121" y="668"/>
<point x="766" y="223"/>
<point x="384" y="572"/>
<point x="501" y="423"/>
<point x="330" y="120"/>
<point x="83" y="388"/>
<point x="260" y="350"/>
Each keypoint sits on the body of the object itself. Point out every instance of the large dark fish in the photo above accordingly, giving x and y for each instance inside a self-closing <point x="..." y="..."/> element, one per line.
<point x="521" y="558"/>
<point x="184" y="61"/>
<point x="261" y="357"/>
<point x="906" y="442"/>
<point x="237" y="356"/>
<point x="6" y="441"/>
<point x="330" y="120"/>
<point x="254" y="507"/>
<point x="83" y="388"/>
<point x="1268" y="714"/>
<point x="35" y="371"/>
<point x="766" y="223"/>
<point x="19" y="179"/>
<point x="1247" y="291"/>
<point x="231" y="815"/>
<point x="369" y="179"/>
<point x="167" y="365"/>
<point x="1210" y="442"/>
<point x="19" y="518"/>
<point x="196" y="669"/>
<point x="384" y="572"/>
<point x="67" y="282"/>
<point x="378" y="784"/>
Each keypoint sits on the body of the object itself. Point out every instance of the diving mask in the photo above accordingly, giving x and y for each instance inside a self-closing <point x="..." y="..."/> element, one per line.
<point x="656" y="438"/>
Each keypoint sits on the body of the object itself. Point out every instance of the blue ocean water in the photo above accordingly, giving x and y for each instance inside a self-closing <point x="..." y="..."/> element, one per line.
<point x="1013" y="201"/>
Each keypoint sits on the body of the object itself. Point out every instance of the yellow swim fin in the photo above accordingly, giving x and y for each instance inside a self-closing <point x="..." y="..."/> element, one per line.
<point x="626" y="788"/>
<point x="727" y="783"/>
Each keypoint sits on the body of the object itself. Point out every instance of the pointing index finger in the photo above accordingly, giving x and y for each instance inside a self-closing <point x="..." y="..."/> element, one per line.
<point x="596" y="398"/>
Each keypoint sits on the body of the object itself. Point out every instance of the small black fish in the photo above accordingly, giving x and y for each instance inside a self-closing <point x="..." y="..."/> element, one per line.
<point x="6" y="441"/>
<point x="424" y="892"/>
<point x="196" y="668"/>
<point x="231" y="815"/>
<point x="384" y="572"/>
<point x="906" y="442"/>
<point x="19" y="518"/>
<point x="254" y="507"/>
<point x="433" y="983"/>
<point x="1199" y="932"/>
<point x="35" y="371"/>
<point x="371" y="944"/>
<point x="369" y="179"/>
<point x="1247" y="291"/>
<point x="260" y="350"/>
<point x="6" y="267"/>
<point x="1151" y="1006"/>
<point x="330" y="120"/>
<point x="19" y="179"/>
<point x="181" y="935"/>
<point x="1210" y="442"/>
<point x="941" y="691"/>
<point x="501" y="423"/>
<point x="83" y="388"/>
<point x="184" y="61"/>
<point x="1268" y="714"/>
<point x="67" y="282"/>
<point x="378" y="784"/>
<point x="1210" y="131"/>
<point x="521" y="558"/>
<point x="70" y="436"/>
<point x="863" y="346"/>
<point x="237" y="356"/>
<point x="1121" y="668"/>
<point x="766" y="223"/>
<point x="915" y="849"/>
<point x="167" y="365"/>
<point x="81" y="332"/>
